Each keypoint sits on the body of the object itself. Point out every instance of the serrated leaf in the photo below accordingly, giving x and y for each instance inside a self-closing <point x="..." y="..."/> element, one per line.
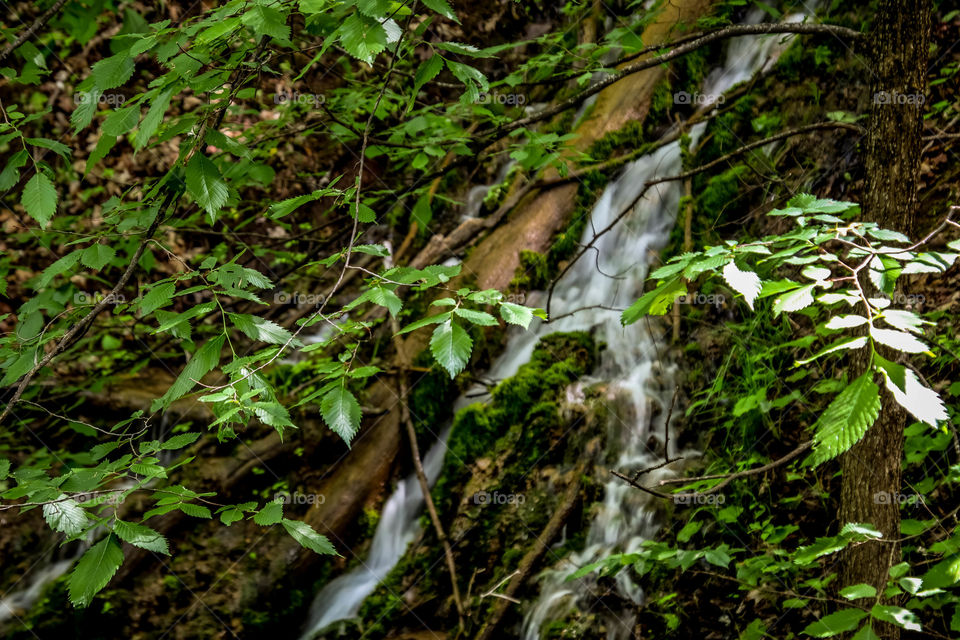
<point x="272" y="513"/>
<point x="65" y="515"/>
<point x="896" y="615"/>
<point x="341" y="412"/>
<point x="922" y="403"/>
<point x="97" y="256"/>
<point x="655" y="302"/>
<point x="385" y="298"/>
<point x="39" y="198"/>
<point x="835" y="623"/>
<point x="206" y="185"/>
<point x="451" y="346"/>
<point x="846" y="322"/>
<point x="899" y="340"/>
<point x="516" y="314"/>
<point x="261" y="329"/>
<point x="846" y="419"/>
<point x="746" y="283"/>
<point x="422" y="322"/>
<point x="141" y="536"/>
<point x="121" y="120"/>
<point x="193" y="510"/>
<point x="363" y="37"/>
<point x="266" y="21"/>
<point x="158" y="108"/>
<point x="180" y="441"/>
<point x="441" y="7"/>
<point x="94" y="570"/>
<point x="857" y="591"/>
<point x="845" y="343"/>
<point x="481" y="318"/>
<point x="203" y="361"/>
<point x="427" y="71"/>
<point x="308" y="538"/>
<point x="904" y="320"/>
<point x="795" y="300"/>
<point x="159" y="296"/>
<point x="112" y="72"/>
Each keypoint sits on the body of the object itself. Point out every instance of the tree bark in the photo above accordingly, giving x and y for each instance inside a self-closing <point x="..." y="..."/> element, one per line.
<point x="872" y="468"/>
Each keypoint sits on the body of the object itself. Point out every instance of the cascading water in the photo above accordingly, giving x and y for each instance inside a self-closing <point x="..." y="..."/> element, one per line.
<point x="638" y="381"/>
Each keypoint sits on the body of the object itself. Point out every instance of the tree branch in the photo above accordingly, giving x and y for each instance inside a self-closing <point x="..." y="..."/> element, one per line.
<point x="32" y="29"/>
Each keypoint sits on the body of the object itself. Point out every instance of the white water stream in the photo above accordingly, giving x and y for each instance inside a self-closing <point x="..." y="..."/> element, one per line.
<point x="639" y="385"/>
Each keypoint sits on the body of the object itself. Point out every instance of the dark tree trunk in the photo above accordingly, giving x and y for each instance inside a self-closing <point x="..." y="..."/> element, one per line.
<point x="872" y="468"/>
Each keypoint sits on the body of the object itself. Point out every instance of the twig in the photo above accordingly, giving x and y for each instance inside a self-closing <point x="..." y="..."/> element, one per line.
<point x="32" y="29"/>
<point x="689" y="174"/>
<point x="425" y="483"/>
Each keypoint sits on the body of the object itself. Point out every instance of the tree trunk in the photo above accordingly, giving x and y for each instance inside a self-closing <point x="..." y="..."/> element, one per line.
<point x="872" y="468"/>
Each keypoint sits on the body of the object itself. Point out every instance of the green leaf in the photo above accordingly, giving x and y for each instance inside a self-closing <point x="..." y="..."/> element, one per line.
<point x="896" y="615"/>
<point x="202" y="362"/>
<point x="341" y="412"/>
<point x="845" y="343"/>
<point x="158" y="108"/>
<point x="267" y="21"/>
<point x="441" y="7"/>
<point x="261" y="329"/>
<point x="94" y="571"/>
<point x="481" y="318"/>
<point x="193" y="510"/>
<point x="904" y="320"/>
<point x="97" y="256"/>
<point x="795" y="300"/>
<point x="121" y="120"/>
<point x="59" y="148"/>
<point x="451" y="346"/>
<point x="427" y="71"/>
<point x="655" y="302"/>
<point x="865" y="633"/>
<point x="59" y="266"/>
<point x="374" y="8"/>
<point x="422" y="322"/>
<point x="385" y="298"/>
<point x="746" y="283"/>
<point x="159" y="296"/>
<point x="180" y="441"/>
<point x="838" y="622"/>
<point x="65" y="516"/>
<point x="857" y="591"/>
<point x="272" y="513"/>
<point x="847" y="418"/>
<point x="113" y="71"/>
<point x="899" y="340"/>
<point x="921" y="402"/>
<point x="11" y="172"/>
<point x="141" y="536"/>
<point x="206" y="185"/>
<point x="308" y="538"/>
<point x="363" y="37"/>
<point x="846" y="322"/>
<point x="39" y="198"/>
<point x="516" y="314"/>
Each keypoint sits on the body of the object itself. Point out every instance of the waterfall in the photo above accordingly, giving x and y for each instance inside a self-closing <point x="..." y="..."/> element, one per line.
<point x="636" y="377"/>
<point x="612" y="276"/>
